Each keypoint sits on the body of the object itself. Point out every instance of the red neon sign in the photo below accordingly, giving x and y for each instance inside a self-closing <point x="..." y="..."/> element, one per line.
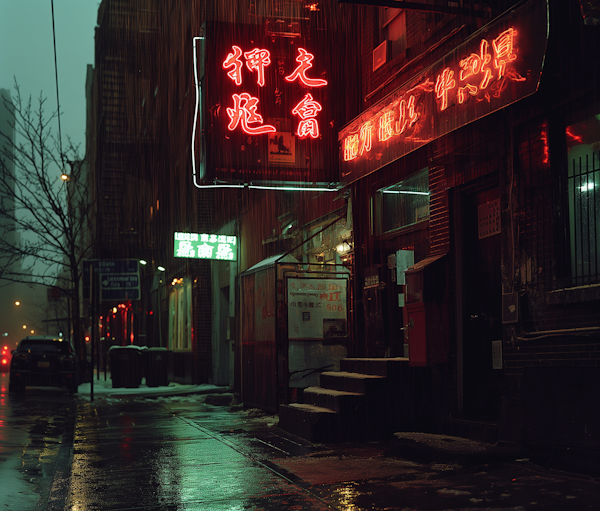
<point x="244" y="112"/>
<point x="366" y="137"/>
<point x="307" y="110"/>
<point x="257" y="60"/>
<point x="444" y="83"/>
<point x="476" y="73"/>
<point x="408" y="115"/>
<point x="476" y="64"/>
<point x="504" y="46"/>
<point x="308" y="127"/>
<point x="305" y="63"/>
<point x="233" y="60"/>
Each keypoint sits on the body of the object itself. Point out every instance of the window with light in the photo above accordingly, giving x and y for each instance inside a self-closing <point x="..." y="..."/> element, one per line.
<point x="583" y="180"/>
<point x="404" y="204"/>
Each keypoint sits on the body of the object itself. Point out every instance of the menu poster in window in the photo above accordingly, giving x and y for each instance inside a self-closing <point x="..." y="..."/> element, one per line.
<point x="317" y="308"/>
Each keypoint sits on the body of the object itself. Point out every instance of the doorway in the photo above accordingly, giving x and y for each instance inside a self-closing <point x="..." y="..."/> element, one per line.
<point x="480" y="279"/>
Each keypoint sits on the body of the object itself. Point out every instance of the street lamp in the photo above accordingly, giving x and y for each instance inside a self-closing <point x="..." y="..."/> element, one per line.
<point x="157" y="286"/>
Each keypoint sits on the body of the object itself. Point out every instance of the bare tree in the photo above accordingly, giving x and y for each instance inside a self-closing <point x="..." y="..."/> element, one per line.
<point x="44" y="205"/>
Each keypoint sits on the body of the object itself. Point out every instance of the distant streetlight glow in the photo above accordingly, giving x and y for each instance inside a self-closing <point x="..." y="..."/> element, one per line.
<point x="24" y="327"/>
<point x="17" y="303"/>
<point x="64" y="177"/>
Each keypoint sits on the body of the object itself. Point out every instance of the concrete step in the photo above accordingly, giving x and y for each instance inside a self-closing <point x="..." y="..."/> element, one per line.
<point x="376" y="366"/>
<point x="374" y="420"/>
<point x="313" y="423"/>
<point x="483" y="431"/>
<point x="337" y="400"/>
<point x="352" y="382"/>
<point x="350" y="406"/>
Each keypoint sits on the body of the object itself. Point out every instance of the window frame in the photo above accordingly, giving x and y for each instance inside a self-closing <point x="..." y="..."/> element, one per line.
<point x="378" y="228"/>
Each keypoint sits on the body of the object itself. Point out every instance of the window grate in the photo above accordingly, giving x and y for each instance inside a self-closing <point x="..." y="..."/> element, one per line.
<point x="584" y="217"/>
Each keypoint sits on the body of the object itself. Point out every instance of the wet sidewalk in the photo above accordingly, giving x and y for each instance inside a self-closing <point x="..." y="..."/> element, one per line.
<point x="134" y="449"/>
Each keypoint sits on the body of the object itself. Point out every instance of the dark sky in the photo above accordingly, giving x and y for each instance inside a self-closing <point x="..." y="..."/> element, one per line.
<point x="27" y="53"/>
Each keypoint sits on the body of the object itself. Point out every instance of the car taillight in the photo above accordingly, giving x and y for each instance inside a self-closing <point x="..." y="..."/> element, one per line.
<point x="4" y="361"/>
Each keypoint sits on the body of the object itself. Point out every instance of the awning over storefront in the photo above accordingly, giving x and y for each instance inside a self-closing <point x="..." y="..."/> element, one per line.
<point x="498" y="65"/>
<point x="270" y="262"/>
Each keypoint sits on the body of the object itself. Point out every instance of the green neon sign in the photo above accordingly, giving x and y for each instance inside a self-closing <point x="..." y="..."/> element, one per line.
<point x="219" y="247"/>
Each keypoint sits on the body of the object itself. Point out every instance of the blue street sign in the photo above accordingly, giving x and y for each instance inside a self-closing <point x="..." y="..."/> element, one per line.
<point x="119" y="280"/>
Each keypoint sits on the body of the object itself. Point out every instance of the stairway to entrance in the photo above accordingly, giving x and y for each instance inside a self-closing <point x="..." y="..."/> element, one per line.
<point x="349" y="405"/>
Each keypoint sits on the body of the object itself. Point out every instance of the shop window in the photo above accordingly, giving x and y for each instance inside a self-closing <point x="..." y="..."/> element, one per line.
<point x="403" y="204"/>
<point x="180" y="314"/>
<point x="583" y="182"/>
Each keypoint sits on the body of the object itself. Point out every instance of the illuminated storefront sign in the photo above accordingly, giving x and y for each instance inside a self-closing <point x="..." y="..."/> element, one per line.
<point x="244" y="113"/>
<point x="205" y="246"/>
<point x="265" y="113"/>
<point x="497" y="66"/>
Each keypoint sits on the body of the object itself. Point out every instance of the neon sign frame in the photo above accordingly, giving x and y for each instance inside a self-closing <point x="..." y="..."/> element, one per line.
<point x="198" y="165"/>
<point x="218" y="247"/>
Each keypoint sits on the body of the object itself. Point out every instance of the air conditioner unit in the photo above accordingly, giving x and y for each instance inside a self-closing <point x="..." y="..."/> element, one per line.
<point x="380" y="56"/>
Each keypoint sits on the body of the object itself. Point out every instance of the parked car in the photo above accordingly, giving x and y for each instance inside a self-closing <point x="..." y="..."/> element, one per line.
<point x="5" y="359"/>
<point x="43" y="361"/>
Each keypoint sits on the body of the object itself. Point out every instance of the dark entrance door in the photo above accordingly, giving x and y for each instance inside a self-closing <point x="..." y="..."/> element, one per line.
<point x="482" y="299"/>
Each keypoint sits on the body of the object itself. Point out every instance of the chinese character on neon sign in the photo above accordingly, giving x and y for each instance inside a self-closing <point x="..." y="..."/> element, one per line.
<point x="478" y="67"/>
<point x="205" y="246"/>
<point x="244" y="112"/>
<point x="482" y="75"/>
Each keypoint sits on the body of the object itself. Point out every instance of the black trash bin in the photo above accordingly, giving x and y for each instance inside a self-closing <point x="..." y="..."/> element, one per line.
<point x="125" y="366"/>
<point x="156" y="366"/>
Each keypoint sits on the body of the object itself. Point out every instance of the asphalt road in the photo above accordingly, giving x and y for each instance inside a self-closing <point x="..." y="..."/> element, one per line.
<point x="180" y="453"/>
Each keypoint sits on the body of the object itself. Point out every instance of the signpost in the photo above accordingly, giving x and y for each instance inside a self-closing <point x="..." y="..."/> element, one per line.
<point x="108" y="280"/>
<point x="119" y="280"/>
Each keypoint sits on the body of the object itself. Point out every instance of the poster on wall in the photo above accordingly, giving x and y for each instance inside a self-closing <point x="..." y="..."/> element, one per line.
<point x="282" y="148"/>
<point x="317" y="308"/>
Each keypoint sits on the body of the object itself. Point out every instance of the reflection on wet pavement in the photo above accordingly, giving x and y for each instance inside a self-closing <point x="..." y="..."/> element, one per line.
<point x="32" y="436"/>
<point x="144" y="456"/>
